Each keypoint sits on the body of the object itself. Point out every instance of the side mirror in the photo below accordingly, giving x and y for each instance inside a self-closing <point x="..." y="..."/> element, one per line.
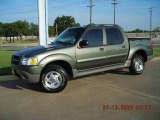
<point x="83" y="43"/>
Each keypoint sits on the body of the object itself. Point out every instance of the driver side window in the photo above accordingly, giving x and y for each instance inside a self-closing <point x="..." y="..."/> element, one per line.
<point x="94" y="37"/>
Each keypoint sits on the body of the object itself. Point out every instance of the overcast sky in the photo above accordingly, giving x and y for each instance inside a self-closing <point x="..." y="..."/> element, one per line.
<point x="130" y="14"/>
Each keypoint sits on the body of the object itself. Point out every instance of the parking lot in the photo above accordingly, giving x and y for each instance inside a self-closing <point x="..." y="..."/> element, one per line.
<point x="96" y="97"/>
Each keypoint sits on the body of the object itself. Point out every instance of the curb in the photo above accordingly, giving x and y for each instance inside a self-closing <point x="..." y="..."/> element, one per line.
<point x="156" y="58"/>
<point x="14" y="47"/>
<point x="8" y="78"/>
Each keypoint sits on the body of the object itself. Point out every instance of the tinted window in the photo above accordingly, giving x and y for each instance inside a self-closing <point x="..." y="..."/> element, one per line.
<point x="114" y="36"/>
<point x="94" y="37"/>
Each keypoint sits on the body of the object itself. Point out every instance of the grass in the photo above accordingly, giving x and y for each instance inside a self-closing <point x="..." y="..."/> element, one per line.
<point x="156" y="52"/>
<point x="5" y="62"/>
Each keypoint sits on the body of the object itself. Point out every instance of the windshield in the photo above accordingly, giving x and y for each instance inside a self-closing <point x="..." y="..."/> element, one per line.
<point x="69" y="36"/>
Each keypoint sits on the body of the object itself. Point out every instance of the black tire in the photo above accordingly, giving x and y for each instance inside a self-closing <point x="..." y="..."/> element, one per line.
<point x="134" y="68"/>
<point x="47" y="82"/>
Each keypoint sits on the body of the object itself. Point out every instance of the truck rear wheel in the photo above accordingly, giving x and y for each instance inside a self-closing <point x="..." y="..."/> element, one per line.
<point x="54" y="78"/>
<point x="137" y="65"/>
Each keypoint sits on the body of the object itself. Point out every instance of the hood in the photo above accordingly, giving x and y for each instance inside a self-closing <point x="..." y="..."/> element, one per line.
<point x="29" y="52"/>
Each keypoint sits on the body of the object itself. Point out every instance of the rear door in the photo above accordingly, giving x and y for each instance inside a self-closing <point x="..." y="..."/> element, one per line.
<point x="92" y="55"/>
<point x="117" y="47"/>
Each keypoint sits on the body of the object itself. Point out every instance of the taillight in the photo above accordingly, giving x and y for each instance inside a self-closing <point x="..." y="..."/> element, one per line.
<point x="151" y="44"/>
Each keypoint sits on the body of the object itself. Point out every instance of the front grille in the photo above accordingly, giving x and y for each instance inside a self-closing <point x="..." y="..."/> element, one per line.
<point x="15" y="60"/>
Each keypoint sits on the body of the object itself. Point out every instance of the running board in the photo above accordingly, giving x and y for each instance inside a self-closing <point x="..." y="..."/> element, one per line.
<point x="97" y="70"/>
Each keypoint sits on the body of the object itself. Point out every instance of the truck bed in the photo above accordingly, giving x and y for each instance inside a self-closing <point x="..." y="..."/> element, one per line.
<point x="139" y="41"/>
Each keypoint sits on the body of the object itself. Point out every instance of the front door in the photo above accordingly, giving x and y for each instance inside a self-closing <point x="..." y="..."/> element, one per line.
<point x="92" y="55"/>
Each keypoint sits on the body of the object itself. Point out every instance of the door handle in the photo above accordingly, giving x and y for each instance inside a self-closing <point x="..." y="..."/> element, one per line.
<point x="101" y="49"/>
<point x="123" y="46"/>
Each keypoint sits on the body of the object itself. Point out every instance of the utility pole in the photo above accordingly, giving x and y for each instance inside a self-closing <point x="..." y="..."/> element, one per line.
<point x="91" y="11"/>
<point x="150" y="10"/>
<point x="114" y="4"/>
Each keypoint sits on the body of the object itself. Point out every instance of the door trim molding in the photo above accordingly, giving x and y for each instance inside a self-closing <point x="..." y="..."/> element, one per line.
<point x="91" y="59"/>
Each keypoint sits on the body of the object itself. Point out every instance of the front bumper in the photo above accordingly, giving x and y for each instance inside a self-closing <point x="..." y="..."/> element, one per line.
<point x="29" y="73"/>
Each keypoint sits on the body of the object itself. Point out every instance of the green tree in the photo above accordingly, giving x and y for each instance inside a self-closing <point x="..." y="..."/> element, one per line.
<point x="22" y="28"/>
<point x="64" y="22"/>
<point x="1" y="29"/>
<point x="51" y="30"/>
<point x="6" y="30"/>
<point x="15" y="30"/>
<point x="34" y="30"/>
<point x="137" y="31"/>
<point x="157" y="29"/>
<point x="18" y="28"/>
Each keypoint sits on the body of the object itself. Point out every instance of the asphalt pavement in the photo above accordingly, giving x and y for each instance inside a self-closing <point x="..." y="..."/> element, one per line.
<point x="113" y="95"/>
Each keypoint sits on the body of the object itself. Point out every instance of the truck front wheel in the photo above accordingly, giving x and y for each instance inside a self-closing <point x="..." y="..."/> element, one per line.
<point x="137" y="65"/>
<point x="54" y="78"/>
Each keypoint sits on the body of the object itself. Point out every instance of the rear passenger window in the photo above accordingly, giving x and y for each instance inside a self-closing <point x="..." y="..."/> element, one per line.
<point x="94" y="37"/>
<point x="114" y="36"/>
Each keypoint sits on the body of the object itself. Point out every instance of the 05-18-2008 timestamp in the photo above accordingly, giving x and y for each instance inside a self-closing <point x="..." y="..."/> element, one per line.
<point x="127" y="107"/>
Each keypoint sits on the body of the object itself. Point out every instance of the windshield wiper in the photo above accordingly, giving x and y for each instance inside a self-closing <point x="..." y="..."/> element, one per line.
<point x="60" y="42"/>
<point x="68" y="43"/>
<point x="64" y="43"/>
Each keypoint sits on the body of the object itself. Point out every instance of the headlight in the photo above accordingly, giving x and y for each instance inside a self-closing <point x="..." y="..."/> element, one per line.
<point x="29" y="61"/>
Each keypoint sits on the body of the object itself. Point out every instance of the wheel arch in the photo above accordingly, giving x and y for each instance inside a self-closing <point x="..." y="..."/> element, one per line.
<point x="65" y="65"/>
<point x="141" y="52"/>
<point x="64" y="61"/>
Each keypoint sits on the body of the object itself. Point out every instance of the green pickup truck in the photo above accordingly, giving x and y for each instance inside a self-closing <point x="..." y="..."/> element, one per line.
<point x="81" y="51"/>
